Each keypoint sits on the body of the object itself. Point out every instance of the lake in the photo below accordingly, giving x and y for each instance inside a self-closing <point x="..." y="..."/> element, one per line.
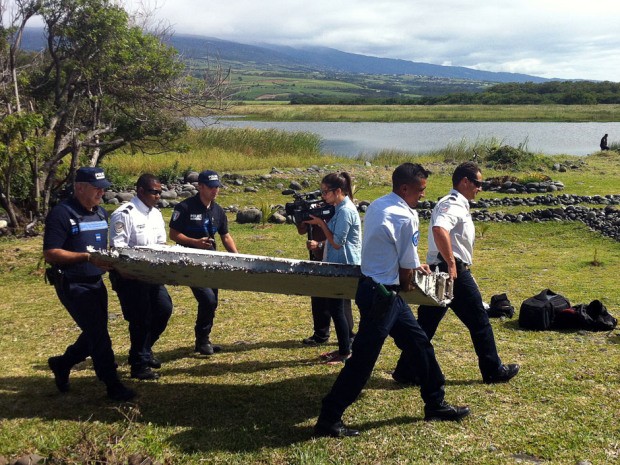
<point x="352" y="139"/>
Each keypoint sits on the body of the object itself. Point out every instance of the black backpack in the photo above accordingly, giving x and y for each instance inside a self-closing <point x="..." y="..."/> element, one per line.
<point x="539" y="312"/>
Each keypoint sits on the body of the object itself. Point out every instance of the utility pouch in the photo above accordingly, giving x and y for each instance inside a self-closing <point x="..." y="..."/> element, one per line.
<point x="382" y="300"/>
<point x="53" y="275"/>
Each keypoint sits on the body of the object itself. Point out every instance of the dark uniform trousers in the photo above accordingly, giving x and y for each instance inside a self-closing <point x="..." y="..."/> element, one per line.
<point x="147" y="307"/>
<point x="207" y="304"/>
<point x="399" y="323"/>
<point x="468" y="307"/>
<point x="87" y="303"/>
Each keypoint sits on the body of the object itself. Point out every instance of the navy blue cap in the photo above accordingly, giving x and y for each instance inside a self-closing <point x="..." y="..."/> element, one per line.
<point x="209" y="178"/>
<point x="94" y="176"/>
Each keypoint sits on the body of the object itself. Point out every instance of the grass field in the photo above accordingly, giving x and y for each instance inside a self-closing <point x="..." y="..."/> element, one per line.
<point x="425" y="113"/>
<point x="256" y="402"/>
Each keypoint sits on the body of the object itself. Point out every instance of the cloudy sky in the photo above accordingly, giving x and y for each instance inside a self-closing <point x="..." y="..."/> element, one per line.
<point x="549" y="38"/>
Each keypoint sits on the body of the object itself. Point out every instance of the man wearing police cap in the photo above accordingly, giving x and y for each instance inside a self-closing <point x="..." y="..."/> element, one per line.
<point x="70" y="228"/>
<point x="451" y="235"/>
<point x="194" y="223"/>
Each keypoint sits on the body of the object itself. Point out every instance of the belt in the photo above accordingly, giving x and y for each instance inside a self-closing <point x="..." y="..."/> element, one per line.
<point x="84" y="279"/>
<point x="389" y="287"/>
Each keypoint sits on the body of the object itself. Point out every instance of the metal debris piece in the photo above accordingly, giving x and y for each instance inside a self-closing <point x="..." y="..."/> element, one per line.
<point x="184" y="266"/>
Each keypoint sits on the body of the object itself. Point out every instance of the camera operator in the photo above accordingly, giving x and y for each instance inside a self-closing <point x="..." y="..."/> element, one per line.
<point x="321" y="318"/>
<point x="342" y="245"/>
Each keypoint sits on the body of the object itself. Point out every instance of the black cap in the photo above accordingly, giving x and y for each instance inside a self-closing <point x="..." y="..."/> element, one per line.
<point x="209" y="178"/>
<point x="94" y="176"/>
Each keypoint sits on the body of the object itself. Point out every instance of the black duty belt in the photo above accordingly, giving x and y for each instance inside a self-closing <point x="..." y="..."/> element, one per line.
<point x="389" y="287"/>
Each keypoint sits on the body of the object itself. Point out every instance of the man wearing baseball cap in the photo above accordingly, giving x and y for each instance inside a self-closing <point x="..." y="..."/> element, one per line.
<point x="70" y="228"/>
<point x="194" y="223"/>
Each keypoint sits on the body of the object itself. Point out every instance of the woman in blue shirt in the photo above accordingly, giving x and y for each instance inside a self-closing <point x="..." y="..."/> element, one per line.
<point x="343" y="244"/>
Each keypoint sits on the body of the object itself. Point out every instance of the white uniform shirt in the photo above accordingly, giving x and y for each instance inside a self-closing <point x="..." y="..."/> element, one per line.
<point x="390" y="239"/>
<point x="134" y="224"/>
<point x="452" y="214"/>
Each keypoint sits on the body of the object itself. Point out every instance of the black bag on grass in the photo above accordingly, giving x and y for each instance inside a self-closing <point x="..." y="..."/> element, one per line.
<point x="539" y="312"/>
<point x="592" y="317"/>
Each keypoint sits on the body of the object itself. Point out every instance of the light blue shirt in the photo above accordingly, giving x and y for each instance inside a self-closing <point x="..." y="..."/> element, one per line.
<point x="345" y="225"/>
<point x="391" y="235"/>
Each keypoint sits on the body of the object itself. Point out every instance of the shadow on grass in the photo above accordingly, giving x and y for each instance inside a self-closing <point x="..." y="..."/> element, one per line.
<point x="200" y="417"/>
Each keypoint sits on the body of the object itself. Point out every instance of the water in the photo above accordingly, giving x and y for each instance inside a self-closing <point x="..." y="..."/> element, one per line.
<point x="352" y="139"/>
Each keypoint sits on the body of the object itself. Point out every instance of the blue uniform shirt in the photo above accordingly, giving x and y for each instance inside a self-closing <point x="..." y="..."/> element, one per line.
<point x="390" y="242"/>
<point x="192" y="218"/>
<point x="71" y="227"/>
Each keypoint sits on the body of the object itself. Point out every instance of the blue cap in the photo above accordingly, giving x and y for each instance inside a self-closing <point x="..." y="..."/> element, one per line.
<point x="94" y="176"/>
<point x="209" y="178"/>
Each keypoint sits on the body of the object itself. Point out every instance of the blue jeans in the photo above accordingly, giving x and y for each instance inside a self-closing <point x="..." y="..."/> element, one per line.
<point x="399" y="323"/>
<point x="468" y="307"/>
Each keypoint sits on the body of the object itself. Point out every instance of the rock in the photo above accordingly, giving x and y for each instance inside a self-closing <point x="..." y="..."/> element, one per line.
<point x="113" y="201"/>
<point x="277" y="218"/>
<point x="191" y="177"/>
<point x="250" y="189"/>
<point x="124" y="196"/>
<point x="251" y="215"/>
<point x="238" y="182"/>
<point x="4" y="224"/>
<point x="169" y="195"/>
<point x="30" y="459"/>
<point x="109" y="195"/>
<point x="295" y="186"/>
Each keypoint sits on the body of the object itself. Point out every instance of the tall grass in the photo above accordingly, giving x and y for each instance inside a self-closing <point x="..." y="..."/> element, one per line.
<point x="228" y="149"/>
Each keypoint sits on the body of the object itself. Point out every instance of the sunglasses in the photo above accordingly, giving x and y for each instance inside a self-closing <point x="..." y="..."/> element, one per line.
<point x="475" y="182"/>
<point x="154" y="191"/>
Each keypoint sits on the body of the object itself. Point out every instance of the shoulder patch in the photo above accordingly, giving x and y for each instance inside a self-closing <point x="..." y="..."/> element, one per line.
<point x="175" y="215"/>
<point x="119" y="227"/>
<point x="415" y="238"/>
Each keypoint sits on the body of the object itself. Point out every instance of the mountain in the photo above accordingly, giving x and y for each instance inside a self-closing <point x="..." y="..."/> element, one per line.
<point x="269" y="57"/>
<point x="266" y="56"/>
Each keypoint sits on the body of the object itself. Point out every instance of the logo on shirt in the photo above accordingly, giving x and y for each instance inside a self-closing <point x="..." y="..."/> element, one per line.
<point x="119" y="227"/>
<point x="415" y="238"/>
<point x="175" y="215"/>
<point x="195" y="217"/>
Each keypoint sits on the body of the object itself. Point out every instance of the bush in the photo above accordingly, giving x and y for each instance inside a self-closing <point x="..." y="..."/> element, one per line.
<point x="507" y="157"/>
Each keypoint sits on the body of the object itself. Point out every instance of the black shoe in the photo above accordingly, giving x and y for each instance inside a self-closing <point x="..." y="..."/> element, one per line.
<point x="445" y="412"/>
<point x="334" y="430"/>
<point x="118" y="392"/>
<point x="504" y="374"/>
<point x="207" y="348"/>
<point x="154" y="362"/>
<point x="405" y="381"/>
<point x="144" y="372"/>
<point x="313" y="341"/>
<point x="61" y="372"/>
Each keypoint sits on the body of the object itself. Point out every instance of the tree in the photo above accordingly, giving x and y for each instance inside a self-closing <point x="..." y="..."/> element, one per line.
<point x="102" y="83"/>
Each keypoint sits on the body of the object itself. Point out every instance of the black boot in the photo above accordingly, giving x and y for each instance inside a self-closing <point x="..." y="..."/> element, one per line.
<point x="61" y="372"/>
<point x="119" y="392"/>
<point x="143" y="372"/>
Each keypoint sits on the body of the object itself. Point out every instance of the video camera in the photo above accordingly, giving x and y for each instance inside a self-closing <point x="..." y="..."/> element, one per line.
<point x="306" y="204"/>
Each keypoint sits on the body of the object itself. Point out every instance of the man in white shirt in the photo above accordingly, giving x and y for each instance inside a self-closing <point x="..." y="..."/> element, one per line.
<point x="389" y="258"/>
<point x="147" y="307"/>
<point x="451" y="235"/>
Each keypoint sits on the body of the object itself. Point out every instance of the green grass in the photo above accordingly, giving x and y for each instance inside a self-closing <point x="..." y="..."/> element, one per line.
<point x="257" y="401"/>
<point x="442" y="113"/>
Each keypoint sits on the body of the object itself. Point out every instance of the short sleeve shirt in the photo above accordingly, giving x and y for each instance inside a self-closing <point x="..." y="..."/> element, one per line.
<point x="70" y="226"/>
<point x="134" y="224"/>
<point x="345" y="226"/>
<point x="390" y="239"/>
<point x="452" y="214"/>
<point x="193" y="219"/>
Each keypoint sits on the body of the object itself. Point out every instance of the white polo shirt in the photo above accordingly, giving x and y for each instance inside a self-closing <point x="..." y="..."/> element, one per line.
<point x="452" y="214"/>
<point x="390" y="239"/>
<point x="134" y="224"/>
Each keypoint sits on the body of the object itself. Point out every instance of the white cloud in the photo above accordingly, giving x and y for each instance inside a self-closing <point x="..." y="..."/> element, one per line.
<point x="550" y="38"/>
